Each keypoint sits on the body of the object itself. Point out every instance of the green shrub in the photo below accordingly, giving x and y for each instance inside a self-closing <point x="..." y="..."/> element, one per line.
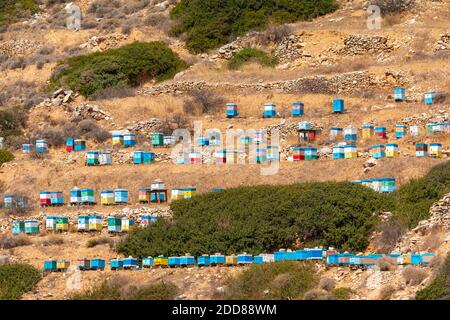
<point x="12" y="10"/>
<point x="5" y="156"/>
<point x="119" y="289"/>
<point x="17" y="279"/>
<point x="273" y="217"/>
<point x="158" y="291"/>
<point x="286" y="280"/>
<point x="342" y="293"/>
<point x="439" y="289"/>
<point x="116" y="68"/>
<point x="11" y="122"/>
<point x="414" y="199"/>
<point x="251" y="54"/>
<point x="209" y="24"/>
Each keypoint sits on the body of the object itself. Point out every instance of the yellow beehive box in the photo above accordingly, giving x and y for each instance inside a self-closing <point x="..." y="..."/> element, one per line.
<point x="391" y="154"/>
<point x="95" y="227"/>
<point x="107" y="201"/>
<point x="161" y="262"/>
<point x="62" y="227"/>
<point x="62" y="264"/>
<point x="351" y="155"/>
<point x="231" y="260"/>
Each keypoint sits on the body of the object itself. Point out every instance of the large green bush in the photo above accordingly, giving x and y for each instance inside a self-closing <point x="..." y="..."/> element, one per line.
<point x="285" y="280"/>
<point x="11" y="10"/>
<point x="117" y="68"/>
<point x="439" y="289"/>
<point x="415" y="198"/>
<point x="251" y="54"/>
<point x="210" y="23"/>
<point x="263" y="219"/>
<point x="17" y="279"/>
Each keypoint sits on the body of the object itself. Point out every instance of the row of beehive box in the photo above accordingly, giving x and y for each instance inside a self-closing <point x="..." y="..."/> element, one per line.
<point x="338" y="105"/>
<point x="330" y="257"/>
<point x="260" y="155"/>
<point x="84" y="223"/>
<point x="383" y="185"/>
<point x="156" y="194"/>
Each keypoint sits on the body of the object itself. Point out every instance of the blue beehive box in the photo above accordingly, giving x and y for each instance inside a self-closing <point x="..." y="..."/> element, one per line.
<point x="70" y="143"/>
<point x="399" y="94"/>
<point x="97" y="264"/>
<point x="217" y="259"/>
<point x="203" y="260"/>
<point x="429" y="97"/>
<point x="315" y="254"/>
<point x="41" y="146"/>
<point x="332" y="259"/>
<point x="187" y="261"/>
<point x="26" y="148"/>
<point x="338" y="152"/>
<point x="297" y="109"/>
<point x="338" y="106"/>
<point x="258" y="260"/>
<point x="129" y="139"/>
<point x="269" y="110"/>
<point x="121" y="196"/>
<point x="203" y="141"/>
<point x="416" y="259"/>
<point x="174" y="261"/>
<point x="50" y="265"/>
<point x="116" y="264"/>
<point x="232" y="111"/>
<point x="18" y="227"/>
<point x="301" y="255"/>
<point x="129" y="263"/>
<point x="244" y="258"/>
<point x="147" y="262"/>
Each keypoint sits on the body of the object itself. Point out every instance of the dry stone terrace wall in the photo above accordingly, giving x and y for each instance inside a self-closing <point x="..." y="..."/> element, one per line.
<point x="342" y="83"/>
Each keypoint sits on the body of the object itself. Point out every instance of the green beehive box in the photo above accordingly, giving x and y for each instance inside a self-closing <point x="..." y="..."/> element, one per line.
<point x="157" y="139"/>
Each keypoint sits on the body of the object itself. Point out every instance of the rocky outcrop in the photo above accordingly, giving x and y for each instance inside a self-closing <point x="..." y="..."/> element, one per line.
<point x="360" y="44"/>
<point x="19" y="47"/>
<point x="89" y="111"/>
<point x="439" y="218"/>
<point x="290" y="48"/>
<point x="443" y="43"/>
<point x="104" y="42"/>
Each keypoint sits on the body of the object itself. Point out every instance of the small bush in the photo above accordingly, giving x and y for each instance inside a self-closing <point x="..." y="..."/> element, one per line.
<point x="125" y="66"/>
<point x="159" y="291"/>
<point x="414" y="276"/>
<point x="327" y="284"/>
<point x="386" y="292"/>
<point x="386" y="265"/>
<point x="7" y="242"/>
<point x="52" y="241"/>
<point x="317" y="294"/>
<point x="274" y="34"/>
<point x="202" y="101"/>
<point x="342" y="293"/>
<point x="98" y="241"/>
<point x="391" y="232"/>
<point x="17" y="279"/>
<point x="251" y="54"/>
<point x="5" y="156"/>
